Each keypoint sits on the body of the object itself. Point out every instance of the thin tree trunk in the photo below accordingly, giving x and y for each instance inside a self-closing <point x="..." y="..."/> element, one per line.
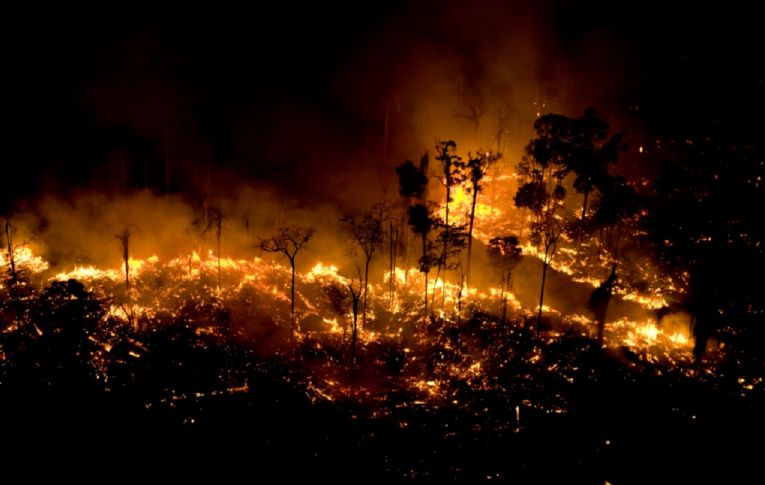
<point x="366" y="292"/>
<point x="542" y="291"/>
<point x="218" y="234"/>
<point x="433" y="294"/>
<point x="126" y="257"/>
<point x="584" y="213"/>
<point x="354" y="330"/>
<point x="425" y="255"/>
<point x="601" y="327"/>
<point x="292" y="298"/>
<point x="11" y="255"/>
<point x="442" y="261"/>
<point x="470" y="236"/>
<point x="392" y="274"/>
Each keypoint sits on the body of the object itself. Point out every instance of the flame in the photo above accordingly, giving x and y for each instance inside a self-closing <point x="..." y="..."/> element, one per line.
<point x="271" y="279"/>
<point x="24" y="258"/>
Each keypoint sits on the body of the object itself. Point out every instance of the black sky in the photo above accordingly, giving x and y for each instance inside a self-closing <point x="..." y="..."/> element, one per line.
<point x="286" y="94"/>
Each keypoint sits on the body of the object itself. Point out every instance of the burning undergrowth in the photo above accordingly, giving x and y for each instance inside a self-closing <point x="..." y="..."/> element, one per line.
<point x="195" y="349"/>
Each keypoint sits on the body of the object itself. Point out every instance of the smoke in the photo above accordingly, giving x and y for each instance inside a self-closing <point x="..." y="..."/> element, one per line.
<point x="291" y="120"/>
<point x="318" y="105"/>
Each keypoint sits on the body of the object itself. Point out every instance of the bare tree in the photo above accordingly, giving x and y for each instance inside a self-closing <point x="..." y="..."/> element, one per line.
<point x="393" y="246"/>
<point x="124" y="238"/>
<point x="475" y="111"/>
<point x="547" y="231"/>
<point x="598" y="303"/>
<point x="504" y="254"/>
<point x="355" y="292"/>
<point x="289" y="241"/>
<point x="10" y="229"/>
<point x="367" y="233"/>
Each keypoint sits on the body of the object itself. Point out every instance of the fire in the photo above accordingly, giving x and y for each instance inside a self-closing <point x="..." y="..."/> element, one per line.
<point x="24" y="258"/>
<point x="320" y="270"/>
<point x="270" y="279"/>
<point x="89" y="273"/>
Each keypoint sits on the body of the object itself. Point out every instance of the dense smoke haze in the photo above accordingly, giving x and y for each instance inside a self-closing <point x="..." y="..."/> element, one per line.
<point x="208" y="224"/>
<point x="316" y="105"/>
<point x="321" y="102"/>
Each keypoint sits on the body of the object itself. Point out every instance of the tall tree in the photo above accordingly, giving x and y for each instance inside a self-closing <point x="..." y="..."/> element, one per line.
<point x="477" y="168"/>
<point x="367" y="233"/>
<point x="599" y="302"/>
<point x="289" y="241"/>
<point x="355" y="291"/>
<point x="615" y="208"/>
<point x="577" y="145"/>
<point x="124" y="238"/>
<point x="10" y="229"/>
<point x="412" y="184"/>
<point x="452" y="238"/>
<point x="544" y="193"/>
<point x="422" y="222"/>
<point x="451" y="175"/>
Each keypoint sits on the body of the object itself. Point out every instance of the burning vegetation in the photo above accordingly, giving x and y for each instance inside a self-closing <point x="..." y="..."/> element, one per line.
<point x="533" y="288"/>
<point x="451" y="321"/>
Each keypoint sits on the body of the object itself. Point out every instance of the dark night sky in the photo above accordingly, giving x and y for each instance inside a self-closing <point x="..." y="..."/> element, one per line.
<point x="287" y="94"/>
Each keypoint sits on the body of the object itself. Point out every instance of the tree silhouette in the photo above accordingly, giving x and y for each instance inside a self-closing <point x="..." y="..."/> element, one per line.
<point x="124" y="238"/>
<point x="411" y="180"/>
<point x="504" y="254"/>
<point x="452" y="238"/>
<point x="367" y="233"/>
<point x="452" y="174"/>
<point x="477" y="168"/>
<point x="579" y="145"/>
<point x="412" y="185"/>
<point x="705" y="222"/>
<point x="422" y="223"/>
<point x="618" y="203"/>
<point x="590" y="154"/>
<point x="599" y="302"/>
<point x="289" y="241"/>
<point x="355" y="292"/>
<point x="544" y="193"/>
<point x="10" y="230"/>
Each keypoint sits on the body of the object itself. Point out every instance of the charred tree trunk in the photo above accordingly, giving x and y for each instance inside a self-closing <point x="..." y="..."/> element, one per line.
<point x="11" y="255"/>
<point x="354" y="327"/>
<point x="366" y="291"/>
<point x="292" y="298"/>
<point x="218" y="223"/>
<point x="584" y="214"/>
<point x="392" y="271"/>
<point x="124" y="238"/>
<point x="545" y="264"/>
<point x="425" y="255"/>
<point x="470" y="235"/>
